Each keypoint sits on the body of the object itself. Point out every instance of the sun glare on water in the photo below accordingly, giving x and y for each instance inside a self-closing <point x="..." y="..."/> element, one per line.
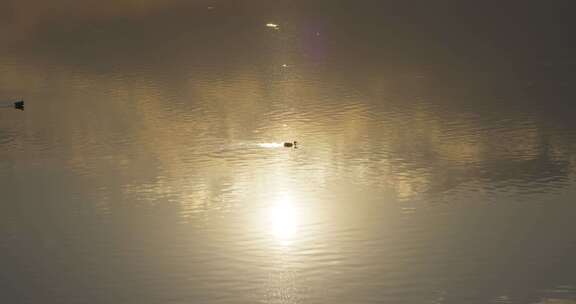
<point x="284" y="220"/>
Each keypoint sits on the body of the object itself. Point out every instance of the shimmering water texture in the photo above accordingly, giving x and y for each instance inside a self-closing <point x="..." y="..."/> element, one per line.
<point x="434" y="161"/>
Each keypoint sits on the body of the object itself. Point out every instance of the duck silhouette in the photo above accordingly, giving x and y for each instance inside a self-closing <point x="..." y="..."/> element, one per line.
<point x="290" y="144"/>
<point x="19" y="105"/>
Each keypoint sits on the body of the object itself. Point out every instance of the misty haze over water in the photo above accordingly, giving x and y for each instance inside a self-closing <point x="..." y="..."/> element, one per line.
<point x="435" y="159"/>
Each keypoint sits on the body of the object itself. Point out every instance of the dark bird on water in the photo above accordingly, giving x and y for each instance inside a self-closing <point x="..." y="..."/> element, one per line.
<point x="290" y="144"/>
<point x="19" y="105"/>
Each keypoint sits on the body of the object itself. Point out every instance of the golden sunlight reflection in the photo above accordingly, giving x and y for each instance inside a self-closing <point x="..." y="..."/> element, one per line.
<point x="270" y="145"/>
<point x="284" y="220"/>
<point x="272" y="25"/>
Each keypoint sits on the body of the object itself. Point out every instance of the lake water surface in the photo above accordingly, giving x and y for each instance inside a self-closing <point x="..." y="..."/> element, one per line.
<point x="435" y="159"/>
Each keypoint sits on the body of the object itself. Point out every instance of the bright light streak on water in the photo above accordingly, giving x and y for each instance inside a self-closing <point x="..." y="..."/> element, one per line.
<point x="271" y="145"/>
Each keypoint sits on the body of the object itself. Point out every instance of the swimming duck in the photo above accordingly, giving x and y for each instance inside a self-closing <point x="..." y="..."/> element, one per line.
<point x="19" y="105"/>
<point x="290" y="144"/>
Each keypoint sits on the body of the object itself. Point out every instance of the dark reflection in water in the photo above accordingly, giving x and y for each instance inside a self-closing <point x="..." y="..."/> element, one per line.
<point x="435" y="161"/>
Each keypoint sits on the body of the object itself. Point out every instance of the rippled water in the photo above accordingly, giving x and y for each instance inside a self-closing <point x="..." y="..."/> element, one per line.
<point x="435" y="160"/>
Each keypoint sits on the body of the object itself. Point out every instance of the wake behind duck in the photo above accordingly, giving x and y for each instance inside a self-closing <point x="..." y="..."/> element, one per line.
<point x="16" y="105"/>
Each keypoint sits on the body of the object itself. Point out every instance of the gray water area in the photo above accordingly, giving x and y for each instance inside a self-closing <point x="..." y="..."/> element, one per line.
<point x="435" y="159"/>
